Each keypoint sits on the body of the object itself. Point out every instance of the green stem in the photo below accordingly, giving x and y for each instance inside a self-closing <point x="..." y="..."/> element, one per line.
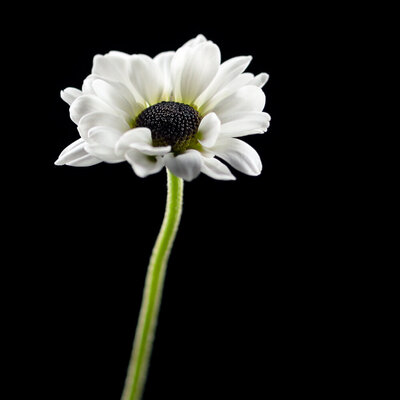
<point x="143" y="343"/>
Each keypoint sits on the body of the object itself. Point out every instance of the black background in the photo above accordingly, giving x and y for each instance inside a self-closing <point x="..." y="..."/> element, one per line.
<point x="250" y="290"/>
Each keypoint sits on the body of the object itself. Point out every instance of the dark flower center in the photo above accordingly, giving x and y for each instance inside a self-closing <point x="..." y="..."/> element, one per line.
<point x="171" y="124"/>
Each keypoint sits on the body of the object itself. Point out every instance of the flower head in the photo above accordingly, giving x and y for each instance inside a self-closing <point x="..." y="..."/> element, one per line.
<point x="181" y="110"/>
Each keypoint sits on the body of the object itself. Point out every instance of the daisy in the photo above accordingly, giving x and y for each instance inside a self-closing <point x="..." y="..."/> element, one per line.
<point x="182" y="110"/>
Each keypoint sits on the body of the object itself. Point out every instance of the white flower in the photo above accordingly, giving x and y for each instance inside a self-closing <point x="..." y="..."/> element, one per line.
<point x="183" y="110"/>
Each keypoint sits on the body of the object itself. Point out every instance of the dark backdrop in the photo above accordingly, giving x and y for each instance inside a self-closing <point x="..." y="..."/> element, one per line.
<point x="244" y="311"/>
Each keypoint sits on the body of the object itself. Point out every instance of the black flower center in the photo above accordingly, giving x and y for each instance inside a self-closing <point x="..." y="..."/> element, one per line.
<point x="171" y="124"/>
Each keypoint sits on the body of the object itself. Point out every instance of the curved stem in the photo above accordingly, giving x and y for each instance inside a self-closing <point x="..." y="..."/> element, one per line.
<point x="143" y="343"/>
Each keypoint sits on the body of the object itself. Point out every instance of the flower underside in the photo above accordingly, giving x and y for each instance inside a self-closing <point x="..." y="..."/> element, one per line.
<point x="171" y="124"/>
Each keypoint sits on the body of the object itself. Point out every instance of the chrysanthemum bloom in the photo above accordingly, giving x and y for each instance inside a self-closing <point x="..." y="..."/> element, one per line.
<point x="183" y="110"/>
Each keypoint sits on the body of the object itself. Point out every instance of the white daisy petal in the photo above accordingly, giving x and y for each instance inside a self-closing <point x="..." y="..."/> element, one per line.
<point x="195" y="41"/>
<point x="227" y="71"/>
<point x="87" y="84"/>
<point x="187" y="165"/>
<point x="193" y="68"/>
<point x="117" y="75"/>
<point x="112" y="96"/>
<point x="146" y="77"/>
<point x="102" y="153"/>
<point x="94" y="119"/>
<point x="209" y="129"/>
<point x="70" y="94"/>
<point x="113" y="66"/>
<point x="136" y="135"/>
<point x="120" y="90"/>
<point x="215" y="169"/>
<point x="260" y="80"/>
<point x="178" y="63"/>
<point x="78" y="143"/>
<point x="72" y="151"/>
<point x="151" y="150"/>
<point x="85" y="161"/>
<point x="247" y="98"/>
<point x="101" y="143"/>
<point x="105" y="136"/>
<point x="239" y="154"/>
<point x="246" y="123"/>
<point x="140" y="139"/>
<point x="231" y="88"/>
<point x="87" y="104"/>
<point x="163" y="60"/>
<point x="142" y="164"/>
<point x="76" y="155"/>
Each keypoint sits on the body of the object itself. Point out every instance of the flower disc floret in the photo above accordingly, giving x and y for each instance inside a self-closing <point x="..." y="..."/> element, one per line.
<point x="171" y="124"/>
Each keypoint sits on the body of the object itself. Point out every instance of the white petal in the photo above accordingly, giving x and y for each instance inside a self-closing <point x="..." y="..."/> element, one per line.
<point x="142" y="164"/>
<point x="107" y="137"/>
<point x="195" y="41"/>
<point x="151" y="150"/>
<point x="87" y="104"/>
<point x="77" y="144"/>
<point x="87" y="84"/>
<point x="247" y="98"/>
<point x="99" y="152"/>
<point x="76" y="155"/>
<point x="70" y="94"/>
<point x="101" y="143"/>
<point x="230" y="89"/>
<point x="187" y="165"/>
<point x="85" y="161"/>
<point x="136" y="135"/>
<point x="227" y="71"/>
<point x="240" y="155"/>
<point x="94" y="119"/>
<point x="116" y="89"/>
<point x="192" y="69"/>
<point x="163" y="60"/>
<point x="112" y="96"/>
<point x="215" y="169"/>
<point x="72" y="151"/>
<point x="260" y="80"/>
<point x="246" y="123"/>
<point x="146" y="77"/>
<point x="177" y="66"/>
<point x="113" y="66"/>
<point x="139" y="139"/>
<point x="209" y="129"/>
